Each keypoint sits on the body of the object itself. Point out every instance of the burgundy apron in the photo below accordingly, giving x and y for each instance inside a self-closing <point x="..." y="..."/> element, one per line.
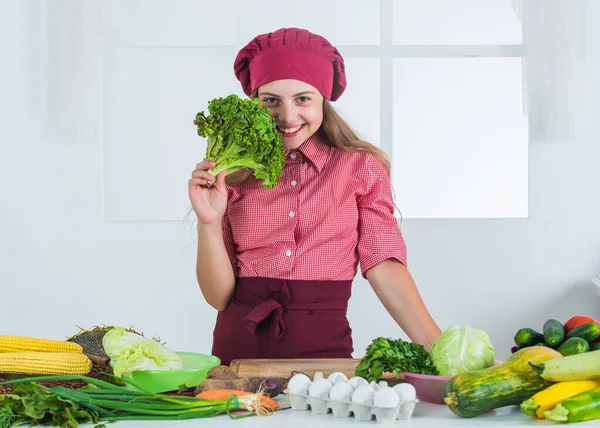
<point x="276" y="318"/>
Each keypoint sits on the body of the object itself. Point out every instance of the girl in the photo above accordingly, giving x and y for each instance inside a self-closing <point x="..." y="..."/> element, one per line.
<point x="278" y="263"/>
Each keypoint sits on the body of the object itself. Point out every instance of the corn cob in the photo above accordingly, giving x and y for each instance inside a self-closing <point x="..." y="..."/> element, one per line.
<point x="44" y="363"/>
<point x="22" y="344"/>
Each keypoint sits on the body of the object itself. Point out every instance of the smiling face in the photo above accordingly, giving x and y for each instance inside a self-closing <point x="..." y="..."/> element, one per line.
<point x="297" y="108"/>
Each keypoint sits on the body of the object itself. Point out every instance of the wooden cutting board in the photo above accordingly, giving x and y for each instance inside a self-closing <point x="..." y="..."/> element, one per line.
<point x="284" y="367"/>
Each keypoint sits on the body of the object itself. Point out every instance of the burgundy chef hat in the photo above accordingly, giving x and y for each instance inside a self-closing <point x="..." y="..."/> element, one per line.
<point x="291" y="53"/>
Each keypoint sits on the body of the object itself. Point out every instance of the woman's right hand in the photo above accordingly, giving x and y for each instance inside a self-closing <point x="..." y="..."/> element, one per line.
<point x="208" y="194"/>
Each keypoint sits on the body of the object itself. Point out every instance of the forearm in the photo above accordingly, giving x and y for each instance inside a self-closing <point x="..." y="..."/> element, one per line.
<point x="213" y="267"/>
<point x="395" y="287"/>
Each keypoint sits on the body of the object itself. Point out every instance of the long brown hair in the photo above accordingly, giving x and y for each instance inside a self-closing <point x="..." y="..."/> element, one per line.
<point x="335" y="132"/>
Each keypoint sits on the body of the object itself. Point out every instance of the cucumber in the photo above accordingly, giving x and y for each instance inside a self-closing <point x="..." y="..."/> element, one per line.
<point x="582" y="407"/>
<point x="573" y="345"/>
<point x="589" y="331"/>
<point x="594" y="346"/>
<point x="554" y="333"/>
<point x="528" y="337"/>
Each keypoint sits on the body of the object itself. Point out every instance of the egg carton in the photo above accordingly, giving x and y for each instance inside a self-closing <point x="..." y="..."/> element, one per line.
<point x="346" y="408"/>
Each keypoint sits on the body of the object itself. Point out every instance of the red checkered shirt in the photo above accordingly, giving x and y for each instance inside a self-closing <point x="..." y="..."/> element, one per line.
<point x="329" y="211"/>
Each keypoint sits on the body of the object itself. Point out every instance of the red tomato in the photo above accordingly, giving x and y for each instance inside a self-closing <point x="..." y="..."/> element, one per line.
<point x="577" y="320"/>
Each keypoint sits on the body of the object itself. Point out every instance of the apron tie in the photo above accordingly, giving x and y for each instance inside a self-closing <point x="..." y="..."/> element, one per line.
<point x="273" y="308"/>
<point x="261" y="312"/>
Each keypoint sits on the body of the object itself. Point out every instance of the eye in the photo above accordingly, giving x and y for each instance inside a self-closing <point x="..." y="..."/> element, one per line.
<point x="269" y="100"/>
<point x="303" y="99"/>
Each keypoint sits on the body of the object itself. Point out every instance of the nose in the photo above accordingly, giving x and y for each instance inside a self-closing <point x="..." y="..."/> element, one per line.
<point x="286" y="114"/>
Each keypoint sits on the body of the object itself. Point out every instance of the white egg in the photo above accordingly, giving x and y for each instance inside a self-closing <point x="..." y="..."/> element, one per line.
<point x="337" y="377"/>
<point x="405" y="391"/>
<point x="299" y="383"/>
<point x="341" y="391"/>
<point x="363" y="394"/>
<point x="319" y="387"/>
<point x="357" y="381"/>
<point x="386" y="397"/>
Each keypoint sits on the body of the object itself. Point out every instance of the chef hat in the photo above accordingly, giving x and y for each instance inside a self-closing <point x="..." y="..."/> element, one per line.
<point x="291" y="53"/>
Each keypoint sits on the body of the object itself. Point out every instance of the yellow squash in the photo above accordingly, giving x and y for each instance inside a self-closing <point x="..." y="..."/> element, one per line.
<point x="554" y="394"/>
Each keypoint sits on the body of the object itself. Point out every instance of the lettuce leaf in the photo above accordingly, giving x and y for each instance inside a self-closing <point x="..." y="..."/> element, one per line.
<point x="31" y="404"/>
<point x="130" y="352"/>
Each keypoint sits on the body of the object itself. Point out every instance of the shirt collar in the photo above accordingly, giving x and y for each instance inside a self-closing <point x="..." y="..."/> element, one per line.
<point x="315" y="150"/>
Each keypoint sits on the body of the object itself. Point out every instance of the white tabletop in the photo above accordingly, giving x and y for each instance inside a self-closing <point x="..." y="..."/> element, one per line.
<point x="425" y="415"/>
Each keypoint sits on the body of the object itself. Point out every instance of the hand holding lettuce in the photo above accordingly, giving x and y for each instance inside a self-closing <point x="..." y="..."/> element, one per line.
<point x="131" y="352"/>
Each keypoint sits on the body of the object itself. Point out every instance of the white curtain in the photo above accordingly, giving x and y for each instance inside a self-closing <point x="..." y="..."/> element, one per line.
<point x="554" y="54"/>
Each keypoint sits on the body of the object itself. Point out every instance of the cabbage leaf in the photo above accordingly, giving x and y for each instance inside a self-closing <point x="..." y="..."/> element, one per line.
<point x="131" y="352"/>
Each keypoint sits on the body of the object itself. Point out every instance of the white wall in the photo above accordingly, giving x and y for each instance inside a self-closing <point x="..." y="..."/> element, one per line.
<point x="75" y="252"/>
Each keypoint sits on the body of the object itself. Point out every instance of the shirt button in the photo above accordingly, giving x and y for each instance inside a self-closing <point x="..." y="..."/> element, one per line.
<point x="294" y="183"/>
<point x="288" y="253"/>
<point x="293" y="155"/>
<point x="292" y="214"/>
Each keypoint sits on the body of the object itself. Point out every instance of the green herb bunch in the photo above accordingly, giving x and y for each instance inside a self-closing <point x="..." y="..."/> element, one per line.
<point x="388" y="355"/>
<point x="102" y="402"/>
<point x="242" y="135"/>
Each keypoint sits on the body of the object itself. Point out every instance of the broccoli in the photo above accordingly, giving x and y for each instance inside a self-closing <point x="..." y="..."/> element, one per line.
<point x="242" y="134"/>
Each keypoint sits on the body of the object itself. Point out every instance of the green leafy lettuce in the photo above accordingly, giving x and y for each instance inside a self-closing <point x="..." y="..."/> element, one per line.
<point x="387" y="355"/>
<point x="461" y="349"/>
<point x="130" y="352"/>
<point x="32" y="404"/>
<point x="242" y="135"/>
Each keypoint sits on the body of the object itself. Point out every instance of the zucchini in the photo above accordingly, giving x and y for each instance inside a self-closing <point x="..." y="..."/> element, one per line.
<point x="589" y="331"/>
<point x="475" y="392"/>
<point x="548" y="398"/>
<point x="573" y="345"/>
<point x="582" y="407"/>
<point x="573" y="367"/>
<point x="528" y="337"/>
<point x="554" y="333"/>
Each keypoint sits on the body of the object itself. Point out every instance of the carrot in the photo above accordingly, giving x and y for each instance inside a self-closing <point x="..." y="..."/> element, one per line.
<point x="257" y="402"/>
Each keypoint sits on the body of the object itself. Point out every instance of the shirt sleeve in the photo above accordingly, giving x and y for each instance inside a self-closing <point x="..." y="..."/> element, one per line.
<point x="379" y="236"/>
<point x="229" y="242"/>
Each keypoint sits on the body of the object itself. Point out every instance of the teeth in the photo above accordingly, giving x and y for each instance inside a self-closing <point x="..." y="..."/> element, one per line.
<point x="290" y="130"/>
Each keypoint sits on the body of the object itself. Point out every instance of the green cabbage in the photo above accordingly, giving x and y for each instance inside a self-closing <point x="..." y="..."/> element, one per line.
<point x="131" y="352"/>
<point x="461" y="349"/>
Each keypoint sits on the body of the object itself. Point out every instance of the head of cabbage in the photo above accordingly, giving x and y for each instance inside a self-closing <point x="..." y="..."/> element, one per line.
<point x="460" y="349"/>
<point x="130" y="352"/>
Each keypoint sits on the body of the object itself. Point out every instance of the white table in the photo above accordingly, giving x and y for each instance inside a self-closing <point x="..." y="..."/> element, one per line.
<point x="425" y="415"/>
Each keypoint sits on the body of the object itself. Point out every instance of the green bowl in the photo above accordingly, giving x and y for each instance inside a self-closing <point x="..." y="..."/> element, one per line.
<point x="195" y="368"/>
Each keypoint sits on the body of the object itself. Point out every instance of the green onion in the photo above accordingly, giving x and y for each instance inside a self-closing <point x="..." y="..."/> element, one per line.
<point x="109" y="402"/>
